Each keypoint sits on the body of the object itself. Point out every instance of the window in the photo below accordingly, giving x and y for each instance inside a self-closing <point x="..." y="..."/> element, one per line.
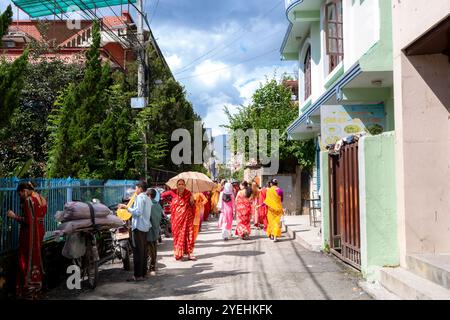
<point x="9" y="44"/>
<point x="334" y="33"/>
<point x="308" y="74"/>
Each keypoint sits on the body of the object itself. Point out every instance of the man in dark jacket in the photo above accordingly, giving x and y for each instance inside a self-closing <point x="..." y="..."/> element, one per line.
<point x="153" y="234"/>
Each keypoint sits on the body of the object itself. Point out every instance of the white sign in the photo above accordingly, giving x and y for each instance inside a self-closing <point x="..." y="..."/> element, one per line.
<point x="138" y="103"/>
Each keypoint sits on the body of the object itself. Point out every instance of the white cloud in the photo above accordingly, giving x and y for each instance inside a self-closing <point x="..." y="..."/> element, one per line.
<point x="174" y="61"/>
<point x="210" y="73"/>
<point x="215" y="116"/>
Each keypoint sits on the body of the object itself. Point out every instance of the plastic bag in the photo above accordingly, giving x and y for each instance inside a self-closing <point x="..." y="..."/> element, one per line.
<point x="75" y="246"/>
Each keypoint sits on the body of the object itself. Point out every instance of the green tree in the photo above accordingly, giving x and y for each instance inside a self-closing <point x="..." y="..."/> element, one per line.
<point x="5" y="21"/>
<point x="11" y="75"/>
<point x="25" y="137"/>
<point x="272" y="108"/>
<point x="76" y="148"/>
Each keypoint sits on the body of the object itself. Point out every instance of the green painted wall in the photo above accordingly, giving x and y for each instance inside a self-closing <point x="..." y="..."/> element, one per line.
<point x="380" y="56"/>
<point x="325" y="196"/>
<point x="379" y="246"/>
<point x="389" y="108"/>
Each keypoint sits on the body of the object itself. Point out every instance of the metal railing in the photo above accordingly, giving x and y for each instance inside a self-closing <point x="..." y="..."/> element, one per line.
<point x="57" y="192"/>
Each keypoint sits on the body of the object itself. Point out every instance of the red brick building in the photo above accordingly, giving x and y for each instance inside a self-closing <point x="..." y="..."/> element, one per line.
<point x="69" y="44"/>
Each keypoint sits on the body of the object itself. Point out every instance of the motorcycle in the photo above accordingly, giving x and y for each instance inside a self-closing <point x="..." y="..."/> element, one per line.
<point x="121" y="242"/>
<point x="166" y="224"/>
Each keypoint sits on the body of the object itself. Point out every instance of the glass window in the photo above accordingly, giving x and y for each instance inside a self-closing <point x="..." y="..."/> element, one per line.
<point x="334" y="33"/>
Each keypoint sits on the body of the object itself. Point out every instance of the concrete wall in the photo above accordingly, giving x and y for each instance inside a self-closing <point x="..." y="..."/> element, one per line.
<point x="291" y="185"/>
<point x="325" y="196"/>
<point x="361" y="29"/>
<point x="422" y="116"/>
<point x="378" y="219"/>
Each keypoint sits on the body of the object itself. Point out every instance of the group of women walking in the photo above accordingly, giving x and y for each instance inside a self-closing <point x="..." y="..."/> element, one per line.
<point x="250" y="204"/>
<point x="247" y="203"/>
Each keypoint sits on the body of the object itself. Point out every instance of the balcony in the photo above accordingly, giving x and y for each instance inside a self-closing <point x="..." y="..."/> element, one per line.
<point x="289" y="2"/>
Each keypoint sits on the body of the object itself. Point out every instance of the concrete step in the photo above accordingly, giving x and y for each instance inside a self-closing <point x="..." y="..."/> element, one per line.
<point x="307" y="236"/>
<point x="433" y="267"/>
<point x="410" y="286"/>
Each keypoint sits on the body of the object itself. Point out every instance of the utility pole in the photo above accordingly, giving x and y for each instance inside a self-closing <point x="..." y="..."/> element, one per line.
<point x="141" y="59"/>
<point x="141" y="72"/>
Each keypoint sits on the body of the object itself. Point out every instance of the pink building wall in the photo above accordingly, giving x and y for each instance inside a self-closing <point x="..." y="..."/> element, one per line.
<point x="422" y="116"/>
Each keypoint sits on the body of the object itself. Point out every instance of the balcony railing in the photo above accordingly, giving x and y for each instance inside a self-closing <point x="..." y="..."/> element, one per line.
<point x="289" y="2"/>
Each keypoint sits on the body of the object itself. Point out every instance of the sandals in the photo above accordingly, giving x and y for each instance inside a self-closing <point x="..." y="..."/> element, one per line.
<point x="135" y="279"/>
<point x="192" y="258"/>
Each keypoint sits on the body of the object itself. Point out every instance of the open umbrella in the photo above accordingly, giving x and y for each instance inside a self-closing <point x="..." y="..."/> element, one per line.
<point x="195" y="181"/>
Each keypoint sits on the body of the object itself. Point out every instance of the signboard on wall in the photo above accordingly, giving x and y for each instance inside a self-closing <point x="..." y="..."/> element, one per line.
<point x="338" y="122"/>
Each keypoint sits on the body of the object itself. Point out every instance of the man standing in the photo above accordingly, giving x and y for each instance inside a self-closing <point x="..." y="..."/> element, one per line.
<point x="140" y="225"/>
<point x="153" y="234"/>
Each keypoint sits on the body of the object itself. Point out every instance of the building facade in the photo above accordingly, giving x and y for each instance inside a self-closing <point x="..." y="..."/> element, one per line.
<point x="344" y="54"/>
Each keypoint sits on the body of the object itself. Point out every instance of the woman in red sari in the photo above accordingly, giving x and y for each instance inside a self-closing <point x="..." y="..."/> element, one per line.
<point x="207" y="209"/>
<point x="243" y="211"/>
<point x="30" y="270"/>
<point x="182" y="217"/>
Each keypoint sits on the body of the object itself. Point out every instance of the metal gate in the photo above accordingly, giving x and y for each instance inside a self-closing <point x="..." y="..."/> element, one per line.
<point x="345" y="239"/>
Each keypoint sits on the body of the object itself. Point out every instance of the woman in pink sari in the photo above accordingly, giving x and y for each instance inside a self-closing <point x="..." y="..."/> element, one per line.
<point x="226" y="207"/>
<point x="244" y="211"/>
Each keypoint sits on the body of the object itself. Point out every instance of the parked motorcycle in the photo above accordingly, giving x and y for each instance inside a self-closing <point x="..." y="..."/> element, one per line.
<point x="121" y="241"/>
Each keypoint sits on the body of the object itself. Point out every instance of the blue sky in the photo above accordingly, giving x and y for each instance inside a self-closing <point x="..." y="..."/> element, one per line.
<point x="219" y="50"/>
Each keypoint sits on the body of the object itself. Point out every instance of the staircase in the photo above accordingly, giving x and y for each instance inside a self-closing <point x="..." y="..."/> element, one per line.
<point x="427" y="278"/>
<point x="80" y="39"/>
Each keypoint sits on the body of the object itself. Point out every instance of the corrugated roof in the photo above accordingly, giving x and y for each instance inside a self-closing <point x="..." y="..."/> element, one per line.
<point x="42" y="8"/>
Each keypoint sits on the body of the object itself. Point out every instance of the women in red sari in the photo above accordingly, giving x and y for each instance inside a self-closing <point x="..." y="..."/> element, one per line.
<point x="243" y="211"/>
<point x="207" y="209"/>
<point x="182" y="217"/>
<point x="30" y="270"/>
<point x="255" y="200"/>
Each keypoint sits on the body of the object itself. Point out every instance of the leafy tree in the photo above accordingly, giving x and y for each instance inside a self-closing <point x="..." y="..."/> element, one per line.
<point x="272" y="108"/>
<point x="76" y="148"/>
<point x="11" y="75"/>
<point x="5" y="21"/>
<point x="25" y="136"/>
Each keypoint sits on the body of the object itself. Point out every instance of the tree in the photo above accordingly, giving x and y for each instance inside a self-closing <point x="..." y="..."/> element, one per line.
<point x="11" y="75"/>
<point x="25" y="137"/>
<point x="272" y="108"/>
<point x="5" y="21"/>
<point x="168" y="110"/>
<point x="76" y="148"/>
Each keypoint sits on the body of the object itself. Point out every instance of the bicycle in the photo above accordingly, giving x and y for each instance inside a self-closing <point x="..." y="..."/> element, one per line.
<point x="89" y="262"/>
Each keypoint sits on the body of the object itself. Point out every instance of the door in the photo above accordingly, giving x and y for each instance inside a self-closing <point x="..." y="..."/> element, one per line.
<point x="345" y="239"/>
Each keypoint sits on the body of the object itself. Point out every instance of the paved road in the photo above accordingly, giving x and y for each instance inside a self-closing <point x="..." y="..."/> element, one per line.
<point x="254" y="269"/>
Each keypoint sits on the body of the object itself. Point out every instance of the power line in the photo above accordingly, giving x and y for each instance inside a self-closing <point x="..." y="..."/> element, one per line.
<point x="229" y="67"/>
<point x="185" y="68"/>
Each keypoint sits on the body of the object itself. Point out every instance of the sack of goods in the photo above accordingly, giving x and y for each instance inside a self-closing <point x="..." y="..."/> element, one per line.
<point x="77" y="215"/>
<point x="75" y="210"/>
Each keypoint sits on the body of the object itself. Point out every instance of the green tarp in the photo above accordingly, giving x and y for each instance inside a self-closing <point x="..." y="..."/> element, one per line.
<point x="42" y="8"/>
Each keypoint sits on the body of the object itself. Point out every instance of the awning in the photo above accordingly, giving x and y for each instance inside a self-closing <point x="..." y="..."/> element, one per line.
<point x="336" y="90"/>
<point x="42" y="8"/>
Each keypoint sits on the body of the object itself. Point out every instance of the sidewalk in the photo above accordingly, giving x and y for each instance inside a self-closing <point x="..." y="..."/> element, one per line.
<point x="298" y="228"/>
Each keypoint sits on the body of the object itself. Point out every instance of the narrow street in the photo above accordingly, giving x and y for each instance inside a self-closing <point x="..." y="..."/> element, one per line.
<point x="256" y="269"/>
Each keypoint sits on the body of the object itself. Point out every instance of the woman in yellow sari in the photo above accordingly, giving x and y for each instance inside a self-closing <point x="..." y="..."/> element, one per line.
<point x="274" y="199"/>
<point x="200" y="201"/>
<point x="215" y="198"/>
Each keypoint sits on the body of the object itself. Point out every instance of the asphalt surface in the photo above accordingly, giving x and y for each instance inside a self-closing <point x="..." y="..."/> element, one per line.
<point x="255" y="269"/>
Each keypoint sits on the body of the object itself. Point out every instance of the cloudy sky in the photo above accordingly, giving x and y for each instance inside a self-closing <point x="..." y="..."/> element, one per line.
<point x="219" y="50"/>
